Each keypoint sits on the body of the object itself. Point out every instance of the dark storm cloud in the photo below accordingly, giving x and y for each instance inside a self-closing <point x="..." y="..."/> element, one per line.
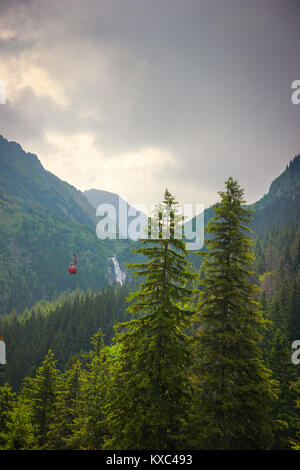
<point x="208" y="81"/>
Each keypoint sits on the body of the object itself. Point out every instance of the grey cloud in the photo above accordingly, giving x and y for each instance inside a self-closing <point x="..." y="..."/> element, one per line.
<point x="207" y="80"/>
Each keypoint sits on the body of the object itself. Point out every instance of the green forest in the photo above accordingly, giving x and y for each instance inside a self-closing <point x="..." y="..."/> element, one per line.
<point x="43" y="221"/>
<point x="149" y="230"/>
<point x="193" y="353"/>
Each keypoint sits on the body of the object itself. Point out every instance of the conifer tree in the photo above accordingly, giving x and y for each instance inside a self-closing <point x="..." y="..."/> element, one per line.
<point x="21" y="433"/>
<point x="87" y="428"/>
<point x="40" y="393"/>
<point x="284" y="372"/>
<point x="66" y="407"/>
<point x="295" y="442"/>
<point x="149" y="392"/>
<point x="235" y="386"/>
<point x="294" y="307"/>
<point x="7" y="397"/>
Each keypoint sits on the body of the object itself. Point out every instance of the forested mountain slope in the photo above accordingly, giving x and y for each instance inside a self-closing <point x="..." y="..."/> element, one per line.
<point x="276" y="226"/>
<point x="215" y="351"/>
<point x="276" y="231"/>
<point x="64" y="325"/>
<point x="277" y="272"/>
<point x="281" y="205"/>
<point x="43" y="221"/>
<point x="22" y="176"/>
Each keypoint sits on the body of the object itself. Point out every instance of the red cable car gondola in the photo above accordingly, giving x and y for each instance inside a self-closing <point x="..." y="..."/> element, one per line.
<point x="72" y="266"/>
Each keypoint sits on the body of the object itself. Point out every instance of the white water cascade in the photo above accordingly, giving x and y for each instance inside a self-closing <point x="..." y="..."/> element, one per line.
<point x="120" y="276"/>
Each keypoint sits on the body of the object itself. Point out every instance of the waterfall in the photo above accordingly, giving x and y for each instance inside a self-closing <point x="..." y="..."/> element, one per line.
<point x="120" y="276"/>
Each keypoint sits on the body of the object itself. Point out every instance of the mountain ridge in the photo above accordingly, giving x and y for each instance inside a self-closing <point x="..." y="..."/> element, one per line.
<point x="44" y="220"/>
<point x="22" y="175"/>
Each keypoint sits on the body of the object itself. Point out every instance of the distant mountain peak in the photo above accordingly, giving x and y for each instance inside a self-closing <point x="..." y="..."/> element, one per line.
<point x="34" y="157"/>
<point x="295" y="163"/>
<point x="13" y="146"/>
<point x="17" y="148"/>
<point x="288" y="181"/>
<point x="281" y="205"/>
<point x="98" y="196"/>
<point x="22" y="176"/>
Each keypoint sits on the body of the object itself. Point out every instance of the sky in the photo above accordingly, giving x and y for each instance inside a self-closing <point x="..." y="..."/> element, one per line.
<point x="133" y="96"/>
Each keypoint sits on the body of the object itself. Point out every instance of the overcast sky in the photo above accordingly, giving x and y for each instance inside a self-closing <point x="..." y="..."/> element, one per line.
<point x="133" y="96"/>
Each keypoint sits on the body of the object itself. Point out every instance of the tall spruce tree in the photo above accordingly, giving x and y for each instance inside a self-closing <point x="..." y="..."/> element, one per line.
<point x="236" y="388"/>
<point x="66" y="407"/>
<point x="295" y="443"/>
<point x="87" y="429"/>
<point x="40" y="394"/>
<point x="21" y="433"/>
<point x="7" y="399"/>
<point x="284" y="371"/>
<point x="294" y="307"/>
<point x="149" y="391"/>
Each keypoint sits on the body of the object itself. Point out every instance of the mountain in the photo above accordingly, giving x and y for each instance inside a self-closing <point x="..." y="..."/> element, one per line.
<point x="43" y="221"/>
<point x="22" y="176"/>
<point x="98" y="196"/>
<point x="276" y="233"/>
<point x="281" y="205"/>
<point x="37" y="242"/>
